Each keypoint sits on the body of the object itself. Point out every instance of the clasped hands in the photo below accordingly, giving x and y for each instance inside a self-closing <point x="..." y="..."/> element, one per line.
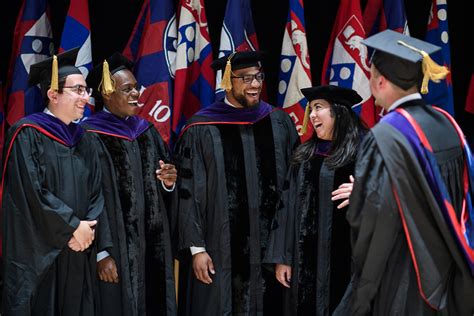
<point x="83" y="236"/>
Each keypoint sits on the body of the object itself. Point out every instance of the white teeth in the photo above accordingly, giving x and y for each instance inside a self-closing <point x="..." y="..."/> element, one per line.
<point x="132" y="102"/>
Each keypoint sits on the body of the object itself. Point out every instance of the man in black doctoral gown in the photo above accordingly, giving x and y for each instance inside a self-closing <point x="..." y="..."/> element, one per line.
<point x="136" y="272"/>
<point x="51" y="200"/>
<point x="410" y="202"/>
<point x="232" y="158"/>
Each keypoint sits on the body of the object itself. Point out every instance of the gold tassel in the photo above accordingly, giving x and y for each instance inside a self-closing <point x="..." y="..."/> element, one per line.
<point x="431" y="70"/>
<point x="55" y="74"/>
<point x="306" y="119"/>
<point x="107" y="82"/>
<point x="226" y="83"/>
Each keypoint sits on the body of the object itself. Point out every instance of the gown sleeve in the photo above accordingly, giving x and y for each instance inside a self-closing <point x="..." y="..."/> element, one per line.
<point x="192" y="184"/>
<point x="29" y="197"/>
<point x="375" y="225"/>
<point x="282" y="236"/>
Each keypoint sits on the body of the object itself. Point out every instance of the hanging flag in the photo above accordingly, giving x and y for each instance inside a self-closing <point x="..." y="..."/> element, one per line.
<point x="346" y="62"/>
<point x="194" y="78"/>
<point x="380" y="15"/>
<point x="32" y="43"/>
<point x="152" y="46"/>
<point x="440" y="94"/>
<point x="77" y="33"/>
<point x="470" y="97"/>
<point x="238" y="34"/>
<point x="295" y="72"/>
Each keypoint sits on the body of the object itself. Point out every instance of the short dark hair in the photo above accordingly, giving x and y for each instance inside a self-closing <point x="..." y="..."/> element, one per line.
<point x="348" y="133"/>
<point x="44" y="90"/>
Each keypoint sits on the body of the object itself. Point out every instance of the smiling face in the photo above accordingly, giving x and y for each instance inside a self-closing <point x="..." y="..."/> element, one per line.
<point x="124" y="101"/>
<point x="68" y="105"/>
<point x="244" y="95"/>
<point x="322" y="119"/>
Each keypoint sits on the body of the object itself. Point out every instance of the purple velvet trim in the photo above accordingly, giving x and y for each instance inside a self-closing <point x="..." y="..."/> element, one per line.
<point x="323" y="147"/>
<point x="70" y="134"/>
<point x="222" y="112"/>
<point x="129" y="128"/>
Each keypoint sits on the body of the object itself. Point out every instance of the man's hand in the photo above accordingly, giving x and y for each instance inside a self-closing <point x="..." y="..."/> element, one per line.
<point x="74" y="245"/>
<point x="107" y="270"/>
<point x="167" y="173"/>
<point x="202" y="265"/>
<point x="283" y="274"/>
<point x="343" y="192"/>
<point x="84" y="234"/>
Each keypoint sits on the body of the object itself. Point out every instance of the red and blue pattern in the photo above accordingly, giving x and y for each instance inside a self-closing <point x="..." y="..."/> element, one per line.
<point x="152" y="46"/>
<point x="346" y="63"/>
<point x="295" y="70"/>
<point x="77" y="33"/>
<point x="380" y="15"/>
<point x="194" y="77"/>
<point x="32" y="43"/>
<point x="440" y="94"/>
<point x="238" y="34"/>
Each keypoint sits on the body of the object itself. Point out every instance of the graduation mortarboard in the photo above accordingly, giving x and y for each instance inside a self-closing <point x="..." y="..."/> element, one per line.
<point x="398" y="58"/>
<point x="333" y="94"/>
<point x="99" y="77"/>
<point x="48" y="72"/>
<point x="234" y="61"/>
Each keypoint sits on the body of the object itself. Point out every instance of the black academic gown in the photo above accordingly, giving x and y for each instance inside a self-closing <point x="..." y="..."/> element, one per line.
<point x="49" y="188"/>
<point x="386" y="282"/>
<point x="312" y="236"/>
<point x="230" y="177"/>
<point x="139" y="213"/>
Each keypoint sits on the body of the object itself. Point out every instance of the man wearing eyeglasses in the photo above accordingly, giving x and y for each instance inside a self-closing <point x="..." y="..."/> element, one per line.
<point x="136" y="270"/>
<point x="232" y="158"/>
<point x="52" y="200"/>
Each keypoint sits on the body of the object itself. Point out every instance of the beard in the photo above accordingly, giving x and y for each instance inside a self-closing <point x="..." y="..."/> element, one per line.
<point x="244" y="102"/>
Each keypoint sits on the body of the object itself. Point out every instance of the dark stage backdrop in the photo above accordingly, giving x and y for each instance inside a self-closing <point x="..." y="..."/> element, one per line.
<point x="112" y="22"/>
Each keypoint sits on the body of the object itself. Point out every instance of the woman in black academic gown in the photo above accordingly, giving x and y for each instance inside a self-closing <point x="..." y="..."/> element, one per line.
<point x="310" y="243"/>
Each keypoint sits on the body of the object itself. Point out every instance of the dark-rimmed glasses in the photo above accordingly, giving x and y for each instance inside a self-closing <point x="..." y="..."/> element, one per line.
<point x="80" y="90"/>
<point x="260" y="76"/>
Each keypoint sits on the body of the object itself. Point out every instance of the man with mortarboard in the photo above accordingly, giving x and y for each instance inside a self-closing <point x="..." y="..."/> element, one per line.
<point x="51" y="200"/>
<point x="410" y="209"/>
<point x="232" y="159"/>
<point x="136" y="271"/>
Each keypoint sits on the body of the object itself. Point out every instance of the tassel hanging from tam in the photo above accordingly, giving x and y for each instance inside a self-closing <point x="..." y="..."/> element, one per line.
<point x="431" y="70"/>
<point x="226" y="83"/>
<point x="106" y="85"/>
<point x="306" y="119"/>
<point x="55" y="74"/>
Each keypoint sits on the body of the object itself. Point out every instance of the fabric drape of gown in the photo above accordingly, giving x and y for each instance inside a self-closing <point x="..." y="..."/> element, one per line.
<point x="312" y="236"/>
<point x="385" y="278"/>
<point x="49" y="188"/>
<point x="231" y="175"/>
<point x="140" y="216"/>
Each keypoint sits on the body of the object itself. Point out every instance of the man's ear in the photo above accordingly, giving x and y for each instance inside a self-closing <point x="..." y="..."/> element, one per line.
<point x="106" y="97"/>
<point x="52" y="96"/>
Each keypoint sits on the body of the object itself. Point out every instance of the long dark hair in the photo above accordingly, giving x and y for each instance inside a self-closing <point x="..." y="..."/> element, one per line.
<point x="348" y="132"/>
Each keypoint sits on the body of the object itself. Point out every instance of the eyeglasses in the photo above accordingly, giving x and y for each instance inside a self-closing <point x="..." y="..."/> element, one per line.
<point x="129" y="89"/>
<point x="80" y="90"/>
<point x="260" y="76"/>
